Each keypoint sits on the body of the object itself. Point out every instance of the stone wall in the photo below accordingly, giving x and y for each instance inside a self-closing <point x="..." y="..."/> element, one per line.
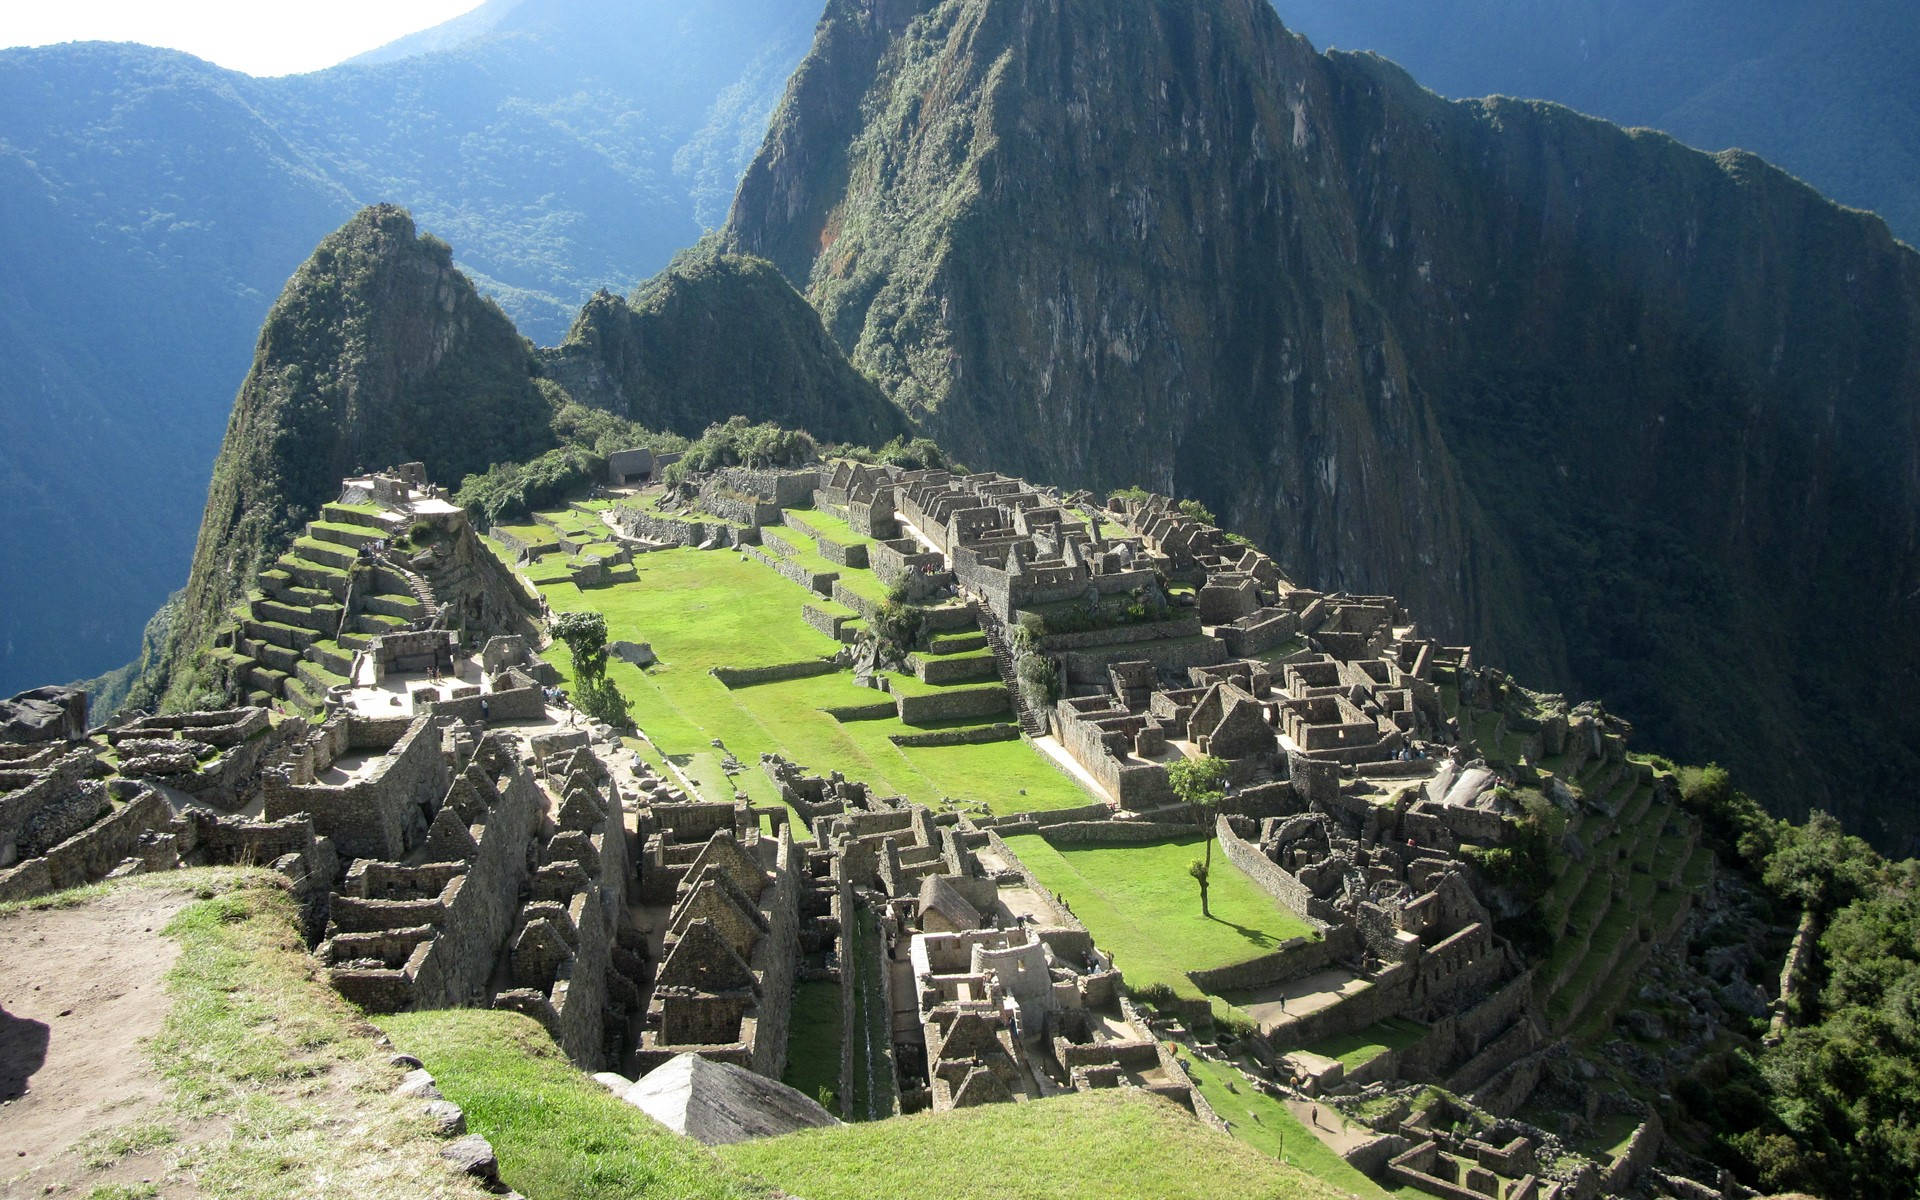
<point x="1113" y="833"/>
<point x="672" y="531"/>
<point x="479" y="914"/>
<point x="510" y="704"/>
<point x="978" y="736"/>
<point x="1089" y="666"/>
<point x="782" y="909"/>
<point x="373" y="817"/>
<point x="1269" y="876"/>
<point x="89" y="854"/>
<point x="741" y="677"/>
<point x="1149" y="631"/>
<point x="819" y="583"/>
<point x="1296" y="957"/>
<point x="952" y="704"/>
<point x="897" y="558"/>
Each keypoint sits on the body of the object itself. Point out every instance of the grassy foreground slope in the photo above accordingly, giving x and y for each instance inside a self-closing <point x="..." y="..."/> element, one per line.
<point x="1110" y="1143"/>
<point x="560" y="1136"/>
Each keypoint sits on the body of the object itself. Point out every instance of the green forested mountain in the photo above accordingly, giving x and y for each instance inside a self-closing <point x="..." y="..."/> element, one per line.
<point x="1635" y="420"/>
<point x="715" y="336"/>
<point x="152" y="205"/>
<point x="378" y="352"/>
<point x="1825" y="90"/>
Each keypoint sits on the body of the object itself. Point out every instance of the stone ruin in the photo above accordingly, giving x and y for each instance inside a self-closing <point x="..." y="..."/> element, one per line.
<point x="73" y="812"/>
<point x="996" y="992"/>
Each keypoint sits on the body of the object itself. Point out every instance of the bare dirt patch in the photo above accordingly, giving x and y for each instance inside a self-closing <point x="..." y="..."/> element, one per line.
<point x="80" y="991"/>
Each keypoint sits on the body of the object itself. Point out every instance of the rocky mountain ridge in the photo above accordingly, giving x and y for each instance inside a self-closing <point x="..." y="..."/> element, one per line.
<point x="1612" y="409"/>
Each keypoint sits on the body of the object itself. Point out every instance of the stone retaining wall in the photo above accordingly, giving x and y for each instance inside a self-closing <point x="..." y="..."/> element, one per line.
<point x="670" y="531"/>
<point x="818" y="582"/>
<point x="959" y="737"/>
<point x="1113" y="833"/>
<point x="88" y="855"/>
<point x="741" y="677"/>
<point x="953" y="704"/>
<point x="1146" y="631"/>
<point x="1297" y="957"/>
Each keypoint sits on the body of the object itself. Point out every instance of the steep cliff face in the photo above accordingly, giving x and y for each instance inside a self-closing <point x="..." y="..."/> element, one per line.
<point x="711" y="337"/>
<point x="378" y="352"/>
<point x="1637" y="420"/>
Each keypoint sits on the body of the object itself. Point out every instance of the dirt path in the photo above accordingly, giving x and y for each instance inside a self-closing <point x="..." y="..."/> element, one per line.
<point x="80" y="990"/>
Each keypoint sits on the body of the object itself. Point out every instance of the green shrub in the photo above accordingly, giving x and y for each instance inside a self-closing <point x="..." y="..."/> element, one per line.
<point x="740" y="444"/>
<point x="601" y="699"/>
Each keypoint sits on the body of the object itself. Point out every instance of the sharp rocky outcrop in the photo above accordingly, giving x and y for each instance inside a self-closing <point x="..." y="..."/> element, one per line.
<point x="1637" y="420"/>
<point x="715" y="336"/>
<point x="379" y="351"/>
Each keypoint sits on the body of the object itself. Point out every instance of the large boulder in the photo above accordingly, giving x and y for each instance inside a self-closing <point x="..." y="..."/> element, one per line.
<point x="46" y="714"/>
<point x="718" y="1103"/>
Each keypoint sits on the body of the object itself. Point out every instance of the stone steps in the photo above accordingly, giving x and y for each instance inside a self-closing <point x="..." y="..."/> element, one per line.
<point x="1031" y="723"/>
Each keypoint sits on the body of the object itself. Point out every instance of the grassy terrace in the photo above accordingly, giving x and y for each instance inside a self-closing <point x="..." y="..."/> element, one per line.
<point x="560" y="1136"/>
<point x="1142" y="908"/>
<point x="1358" y="1049"/>
<point x="557" y="1133"/>
<point x="1116" y="1144"/>
<point x="829" y="527"/>
<point x="706" y="609"/>
<point x="1266" y="1125"/>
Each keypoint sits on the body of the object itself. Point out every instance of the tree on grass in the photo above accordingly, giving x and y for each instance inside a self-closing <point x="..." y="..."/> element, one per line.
<point x="1202" y="783"/>
<point x="585" y="634"/>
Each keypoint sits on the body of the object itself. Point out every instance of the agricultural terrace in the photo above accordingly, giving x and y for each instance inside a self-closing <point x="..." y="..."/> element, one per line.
<point x="1143" y="908"/>
<point x="705" y="609"/>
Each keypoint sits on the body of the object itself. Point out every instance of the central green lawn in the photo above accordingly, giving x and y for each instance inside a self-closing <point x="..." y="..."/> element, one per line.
<point x="1143" y="908"/>
<point x="1118" y="1144"/>
<point x="714" y="608"/>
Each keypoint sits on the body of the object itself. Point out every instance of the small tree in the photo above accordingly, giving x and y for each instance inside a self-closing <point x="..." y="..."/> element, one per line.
<point x="1202" y="873"/>
<point x="1202" y="783"/>
<point x="585" y="634"/>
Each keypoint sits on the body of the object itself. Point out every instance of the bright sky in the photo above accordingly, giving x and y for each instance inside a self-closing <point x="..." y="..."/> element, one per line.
<point x="260" y="37"/>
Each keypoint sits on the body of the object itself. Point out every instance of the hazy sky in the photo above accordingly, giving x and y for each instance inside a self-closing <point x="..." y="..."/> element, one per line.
<point x="260" y="37"/>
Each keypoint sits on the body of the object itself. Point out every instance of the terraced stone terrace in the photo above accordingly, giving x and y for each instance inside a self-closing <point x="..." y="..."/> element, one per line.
<point x="293" y="640"/>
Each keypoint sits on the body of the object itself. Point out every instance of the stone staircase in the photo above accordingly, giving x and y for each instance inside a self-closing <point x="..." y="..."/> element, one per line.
<point x="422" y="591"/>
<point x="1031" y="722"/>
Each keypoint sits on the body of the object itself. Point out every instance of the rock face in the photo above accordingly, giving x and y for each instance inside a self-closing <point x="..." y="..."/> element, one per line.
<point x="718" y="1103"/>
<point x="378" y="352"/>
<point x="48" y="714"/>
<point x="711" y="337"/>
<point x="1637" y="421"/>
